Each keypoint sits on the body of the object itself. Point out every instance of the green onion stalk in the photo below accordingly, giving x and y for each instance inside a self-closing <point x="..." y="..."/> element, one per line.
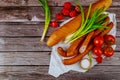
<point x="90" y="58"/>
<point x="44" y="4"/>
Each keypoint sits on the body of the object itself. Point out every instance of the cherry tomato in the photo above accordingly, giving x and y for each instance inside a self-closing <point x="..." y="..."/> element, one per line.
<point x="67" y="5"/>
<point x="109" y="39"/>
<point x="65" y="12"/>
<point x="72" y="13"/>
<point x="59" y="16"/>
<point x="97" y="51"/>
<point x="99" y="59"/>
<point x="108" y="51"/>
<point x="99" y="41"/>
<point x="54" y="24"/>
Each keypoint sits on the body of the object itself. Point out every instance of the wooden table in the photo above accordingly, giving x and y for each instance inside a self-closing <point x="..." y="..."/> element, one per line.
<point x="24" y="57"/>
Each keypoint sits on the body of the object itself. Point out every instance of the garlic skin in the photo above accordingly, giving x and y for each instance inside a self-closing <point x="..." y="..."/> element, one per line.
<point x="85" y="64"/>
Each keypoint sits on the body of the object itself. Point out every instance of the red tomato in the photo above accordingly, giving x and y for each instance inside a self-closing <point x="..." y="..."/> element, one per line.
<point x="67" y="5"/>
<point x="109" y="39"/>
<point x="108" y="51"/>
<point x="97" y="51"/>
<point x="98" y="41"/>
<point x="72" y="13"/>
<point x="65" y="12"/>
<point x="99" y="59"/>
<point x="59" y="16"/>
<point x="54" y="24"/>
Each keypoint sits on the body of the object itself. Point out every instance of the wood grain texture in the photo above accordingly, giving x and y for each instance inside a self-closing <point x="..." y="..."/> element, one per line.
<point x="23" y="30"/>
<point x="22" y="44"/>
<point x="38" y="12"/>
<point x="42" y="58"/>
<point x="35" y="14"/>
<point x="51" y="2"/>
<point x="76" y="76"/>
<point x="29" y="30"/>
<point x="41" y="73"/>
<point x="13" y="3"/>
<point x="44" y="69"/>
<point x="30" y="44"/>
<point x="24" y="58"/>
<point x="11" y="14"/>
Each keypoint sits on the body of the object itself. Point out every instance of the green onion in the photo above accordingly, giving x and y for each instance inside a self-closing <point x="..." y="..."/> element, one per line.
<point x="89" y="24"/>
<point x="82" y="11"/>
<point x="101" y="18"/>
<point x="90" y="58"/>
<point x="47" y="17"/>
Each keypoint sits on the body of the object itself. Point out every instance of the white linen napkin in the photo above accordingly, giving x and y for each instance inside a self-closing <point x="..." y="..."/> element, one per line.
<point x="56" y="67"/>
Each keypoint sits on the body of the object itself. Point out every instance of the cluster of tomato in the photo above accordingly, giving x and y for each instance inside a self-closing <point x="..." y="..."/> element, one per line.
<point x="68" y="10"/>
<point x="103" y="46"/>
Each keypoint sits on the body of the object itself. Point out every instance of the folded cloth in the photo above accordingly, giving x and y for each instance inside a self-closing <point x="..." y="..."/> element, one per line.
<point x="57" y="68"/>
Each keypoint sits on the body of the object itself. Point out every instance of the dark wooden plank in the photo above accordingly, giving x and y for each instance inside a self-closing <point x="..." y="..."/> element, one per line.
<point x="13" y="3"/>
<point x="22" y="44"/>
<point x="38" y="12"/>
<point x="51" y="2"/>
<point x="30" y="30"/>
<point x="24" y="58"/>
<point x="26" y="14"/>
<point x="99" y="76"/>
<point x="40" y="73"/>
<point x="11" y="14"/>
<point x="30" y="44"/>
<point x="13" y="30"/>
<point x="42" y="58"/>
<point x="60" y="3"/>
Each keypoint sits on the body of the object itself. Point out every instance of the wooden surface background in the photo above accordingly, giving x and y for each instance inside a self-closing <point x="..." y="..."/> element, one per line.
<point x="23" y="57"/>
